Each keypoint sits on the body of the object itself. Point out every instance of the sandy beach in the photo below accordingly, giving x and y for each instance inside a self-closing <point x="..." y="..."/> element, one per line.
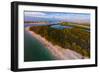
<point x="59" y="52"/>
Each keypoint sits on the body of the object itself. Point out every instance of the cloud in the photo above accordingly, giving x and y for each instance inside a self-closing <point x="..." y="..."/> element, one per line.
<point x="34" y="14"/>
<point x="79" y="17"/>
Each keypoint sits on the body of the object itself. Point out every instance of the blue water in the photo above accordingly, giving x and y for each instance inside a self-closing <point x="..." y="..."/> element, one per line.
<point x="56" y="26"/>
<point x="34" y="50"/>
<point x="61" y="27"/>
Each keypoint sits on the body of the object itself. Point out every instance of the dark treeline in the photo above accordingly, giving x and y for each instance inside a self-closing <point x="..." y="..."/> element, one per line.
<point x="75" y="38"/>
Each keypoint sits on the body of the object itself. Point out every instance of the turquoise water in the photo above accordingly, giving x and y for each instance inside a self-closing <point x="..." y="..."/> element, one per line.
<point x="34" y="50"/>
<point x="61" y="27"/>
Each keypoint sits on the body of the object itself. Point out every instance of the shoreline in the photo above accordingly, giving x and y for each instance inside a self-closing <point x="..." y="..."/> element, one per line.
<point x="59" y="52"/>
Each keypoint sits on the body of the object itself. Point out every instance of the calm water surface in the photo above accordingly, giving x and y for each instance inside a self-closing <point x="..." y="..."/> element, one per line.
<point x="34" y="50"/>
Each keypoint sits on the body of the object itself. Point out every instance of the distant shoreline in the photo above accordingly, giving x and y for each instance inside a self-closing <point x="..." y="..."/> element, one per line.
<point x="36" y="22"/>
<point x="59" y="52"/>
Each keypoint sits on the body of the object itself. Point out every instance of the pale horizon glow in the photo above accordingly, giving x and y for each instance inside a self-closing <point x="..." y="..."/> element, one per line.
<point x="72" y="17"/>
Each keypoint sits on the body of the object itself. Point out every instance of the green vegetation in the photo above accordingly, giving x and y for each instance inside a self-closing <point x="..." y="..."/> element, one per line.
<point x="75" y="38"/>
<point x="84" y="26"/>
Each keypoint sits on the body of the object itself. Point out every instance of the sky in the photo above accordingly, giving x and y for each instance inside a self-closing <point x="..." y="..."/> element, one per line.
<point x="72" y="17"/>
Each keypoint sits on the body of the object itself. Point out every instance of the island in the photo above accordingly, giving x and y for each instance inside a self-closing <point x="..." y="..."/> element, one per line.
<point x="69" y="36"/>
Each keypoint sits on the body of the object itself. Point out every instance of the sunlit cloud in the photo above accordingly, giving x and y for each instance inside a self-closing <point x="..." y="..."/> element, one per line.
<point x="34" y="14"/>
